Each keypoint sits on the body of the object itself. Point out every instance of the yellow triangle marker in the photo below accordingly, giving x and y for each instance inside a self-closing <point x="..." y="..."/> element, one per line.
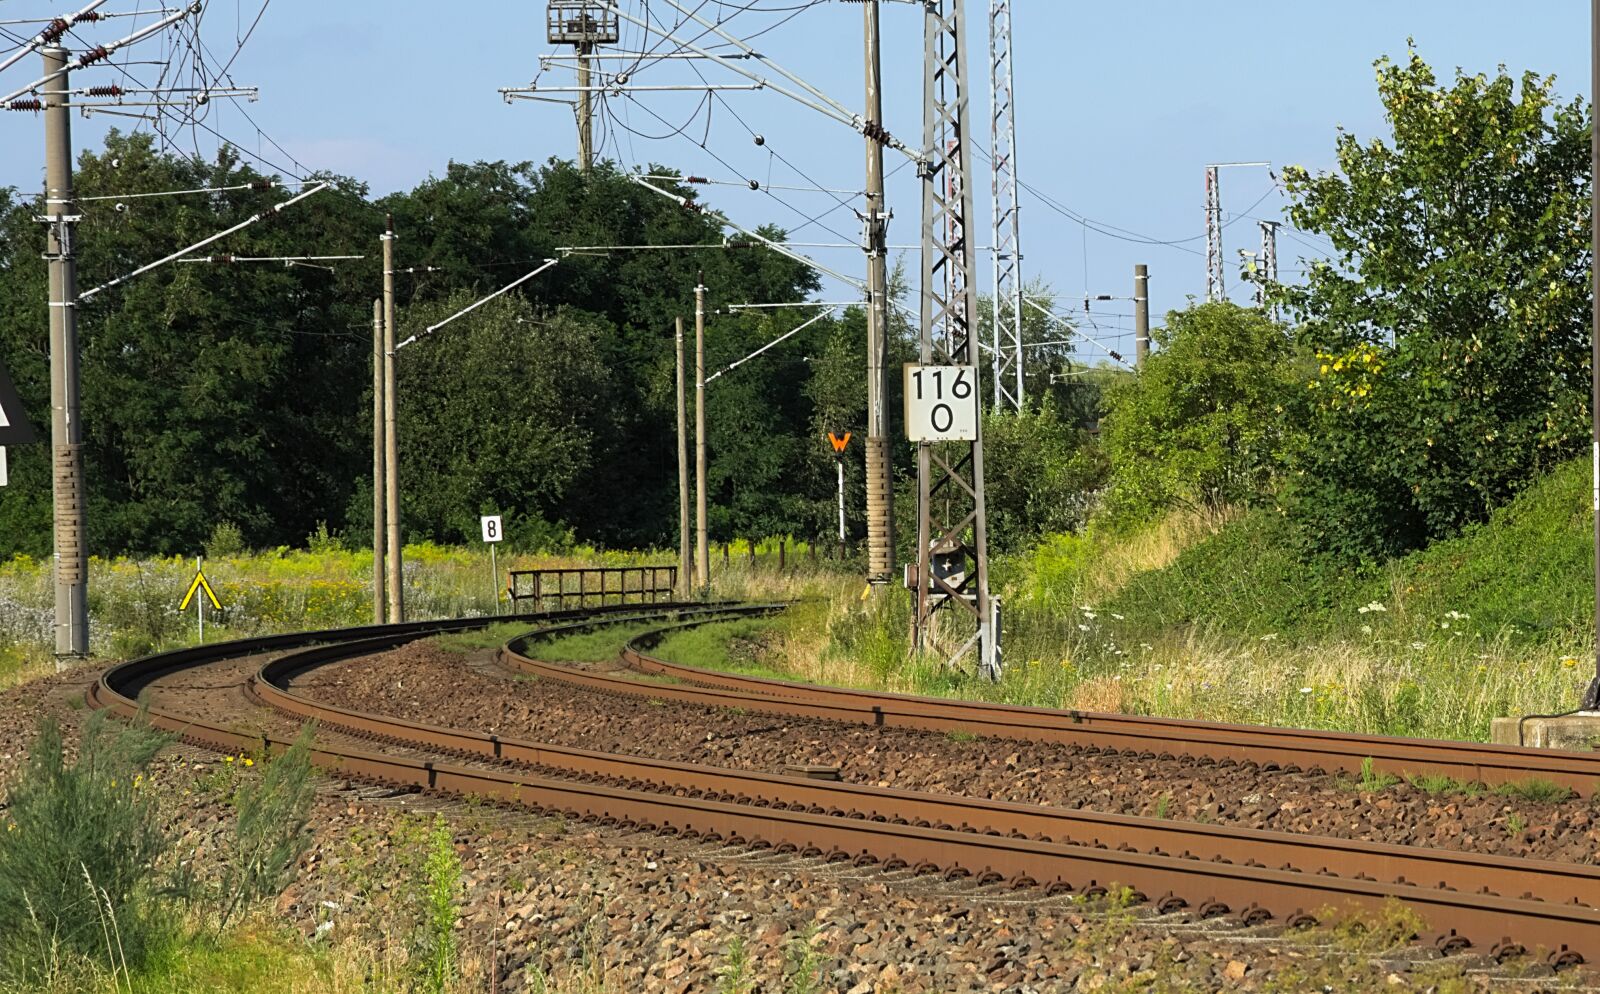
<point x="200" y="583"/>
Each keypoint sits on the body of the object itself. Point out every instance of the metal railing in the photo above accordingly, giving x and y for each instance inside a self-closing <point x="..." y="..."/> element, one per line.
<point x="555" y="589"/>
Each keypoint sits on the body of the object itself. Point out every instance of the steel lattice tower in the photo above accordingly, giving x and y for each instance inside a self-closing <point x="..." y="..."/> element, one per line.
<point x="1269" y="261"/>
<point x="1214" y="286"/>
<point x="1006" y="318"/>
<point x="952" y="539"/>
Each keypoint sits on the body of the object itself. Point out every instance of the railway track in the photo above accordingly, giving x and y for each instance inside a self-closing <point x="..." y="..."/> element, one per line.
<point x="1498" y="905"/>
<point x="1254" y="746"/>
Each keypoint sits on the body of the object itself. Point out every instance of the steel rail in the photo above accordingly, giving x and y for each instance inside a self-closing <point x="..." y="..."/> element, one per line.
<point x="1249" y="746"/>
<point x="1550" y="880"/>
<point x="1254" y="893"/>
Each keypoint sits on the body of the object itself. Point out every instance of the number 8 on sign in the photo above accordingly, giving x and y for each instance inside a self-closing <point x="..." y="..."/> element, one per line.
<point x="941" y="403"/>
<point x="492" y="532"/>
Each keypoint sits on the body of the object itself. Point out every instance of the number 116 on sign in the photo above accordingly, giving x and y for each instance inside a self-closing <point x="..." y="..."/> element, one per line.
<point x="941" y="403"/>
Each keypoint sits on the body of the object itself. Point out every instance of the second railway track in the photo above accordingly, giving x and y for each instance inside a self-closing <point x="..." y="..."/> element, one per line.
<point x="1263" y="747"/>
<point x="1497" y="904"/>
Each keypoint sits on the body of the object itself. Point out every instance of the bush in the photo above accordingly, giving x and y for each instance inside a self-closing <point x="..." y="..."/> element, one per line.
<point x="1451" y="328"/>
<point x="1041" y="475"/>
<point x="226" y="540"/>
<point x="270" y="835"/>
<point x="77" y="852"/>
<point x="1205" y="423"/>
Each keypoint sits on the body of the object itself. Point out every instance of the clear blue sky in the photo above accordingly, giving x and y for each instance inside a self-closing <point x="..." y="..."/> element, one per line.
<point x="1120" y="106"/>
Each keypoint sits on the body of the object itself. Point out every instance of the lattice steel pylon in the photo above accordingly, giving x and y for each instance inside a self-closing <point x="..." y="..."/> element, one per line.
<point x="1006" y="315"/>
<point x="952" y="534"/>
<point x="1269" y="263"/>
<point x="1214" y="286"/>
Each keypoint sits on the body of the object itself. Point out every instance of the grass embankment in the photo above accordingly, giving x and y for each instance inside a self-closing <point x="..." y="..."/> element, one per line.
<point x="1218" y="618"/>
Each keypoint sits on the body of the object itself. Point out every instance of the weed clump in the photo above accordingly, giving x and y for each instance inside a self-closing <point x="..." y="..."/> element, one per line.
<point x="78" y="845"/>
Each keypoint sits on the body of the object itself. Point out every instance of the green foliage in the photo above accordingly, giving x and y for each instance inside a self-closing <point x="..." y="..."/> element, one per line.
<point x="501" y="414"/>
<point x="227" y="394"/>
<point x="735" y="974"/>
<point x="226" y="540"/>
<point x="1040" y="475"/>
<point x="1371" y="780"/>
<point x="1451" y="328"/>
<point x="1206" y="421"/>
<point x="270" y="833"/>
<point x="723" y="645"/>
<point x="1525" y="576"/>
<point x="802" y="969"/>
<point x="1434" y="784"/>
<point x="210" y="393"/>
<point x="590" y="645"/>
<point x="77" y="847"/>
<point x="1535" y="790"/>
<point x="441" y="881"/>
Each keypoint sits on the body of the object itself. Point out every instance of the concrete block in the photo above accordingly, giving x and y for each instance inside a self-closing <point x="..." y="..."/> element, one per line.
<point x="1574" y="732"/>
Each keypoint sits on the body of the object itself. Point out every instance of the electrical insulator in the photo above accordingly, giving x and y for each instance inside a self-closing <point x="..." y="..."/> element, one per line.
<point x="104" y="91"/>
<point x="695" y="179"/>
<point x="93" y="55"/>
<point x="26" y="103"/>
<point x="262" y="184"/>
<point x="755" y="185"/>
<point x="55" y="30"/>
<point x="761" y="139"/>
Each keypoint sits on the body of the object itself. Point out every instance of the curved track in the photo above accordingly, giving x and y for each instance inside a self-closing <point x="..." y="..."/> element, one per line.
<point x="1265" y="747"/>
<point x="1497" y="904"/>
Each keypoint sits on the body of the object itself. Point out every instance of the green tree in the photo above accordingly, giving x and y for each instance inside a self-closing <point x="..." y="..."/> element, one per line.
<point x="1206" y="421"/>
<point x="1452" y="323"/>
<point x="483" y="224"/>
<point x="498" y="412"/>
<point x="210" y="392"/>
<point x="1041" y="475"/>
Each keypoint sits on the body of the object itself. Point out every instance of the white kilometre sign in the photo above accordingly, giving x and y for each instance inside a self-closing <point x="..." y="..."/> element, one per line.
<point x="941" y="403"/>
<point x="492" y="530"/>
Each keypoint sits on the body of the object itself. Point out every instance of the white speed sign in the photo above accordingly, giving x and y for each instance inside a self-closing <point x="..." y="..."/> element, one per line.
<point x="941" y="403"/>
<point x="493" y="531"/>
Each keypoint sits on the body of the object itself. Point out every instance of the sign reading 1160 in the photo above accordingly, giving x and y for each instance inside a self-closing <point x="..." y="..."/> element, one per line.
<point x="941" y="403"/>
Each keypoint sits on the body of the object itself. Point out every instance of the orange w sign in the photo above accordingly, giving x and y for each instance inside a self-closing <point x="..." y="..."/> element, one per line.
<point x="839" y="443"/>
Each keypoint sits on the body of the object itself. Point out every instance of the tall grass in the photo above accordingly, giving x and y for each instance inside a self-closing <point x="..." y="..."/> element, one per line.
<point x="1093" y="622"/>
<point x="133" y="603"/>
<point x="78" y="846"/>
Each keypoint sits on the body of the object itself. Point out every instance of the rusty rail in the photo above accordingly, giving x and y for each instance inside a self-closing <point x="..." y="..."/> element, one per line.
<point x="1251" y="746"/>
<point x="1214" y="871"/>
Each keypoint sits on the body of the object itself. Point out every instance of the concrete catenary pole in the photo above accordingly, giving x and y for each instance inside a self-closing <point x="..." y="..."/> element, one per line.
<point x="1141" y="315"/>
<point x="585" y="110"/>
<point x="686" y="577"/>
<point x="391" y="446"/>
<point x="880" y="465"/>
<point x="1591" y="697"/>
<point x="66" y="425"/>
<point x="702" y="552"/>
<point x="379" y="473"/>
